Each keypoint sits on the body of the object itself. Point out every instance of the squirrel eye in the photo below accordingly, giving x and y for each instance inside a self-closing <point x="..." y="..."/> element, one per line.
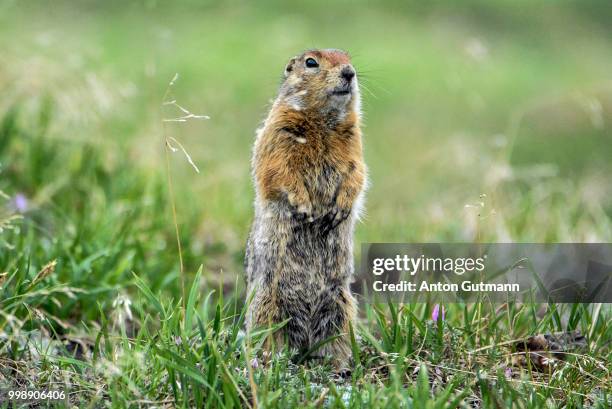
<point x="311" y="63"/>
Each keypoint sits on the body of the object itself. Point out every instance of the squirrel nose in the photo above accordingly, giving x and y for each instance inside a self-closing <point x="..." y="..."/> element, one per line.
<point x="347" y="73"/>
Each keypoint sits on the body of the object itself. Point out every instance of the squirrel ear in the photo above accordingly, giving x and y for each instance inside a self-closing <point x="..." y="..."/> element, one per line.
<point x="289" y="66"/>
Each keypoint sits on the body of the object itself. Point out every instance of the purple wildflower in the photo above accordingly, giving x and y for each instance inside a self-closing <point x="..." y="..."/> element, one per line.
<point x="435" y="314"/>
<point x="21" y="203"/>
<point x="254" y="363"/>
<point x="508" y="372"/>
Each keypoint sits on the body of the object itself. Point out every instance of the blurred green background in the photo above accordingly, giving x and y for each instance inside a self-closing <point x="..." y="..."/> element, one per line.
<point x="484" y="120"/>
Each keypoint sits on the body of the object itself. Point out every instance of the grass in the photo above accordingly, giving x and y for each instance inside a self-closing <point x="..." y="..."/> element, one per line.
<point x="483" y="123"/>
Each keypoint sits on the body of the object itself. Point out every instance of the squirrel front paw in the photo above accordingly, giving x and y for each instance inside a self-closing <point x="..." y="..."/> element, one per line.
<point x="302" y="213"/>
<point x="336" y="216"/>
<point x="301" y="210"/>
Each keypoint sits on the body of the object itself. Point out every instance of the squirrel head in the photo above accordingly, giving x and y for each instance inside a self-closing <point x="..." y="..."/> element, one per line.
<point x="321" y="81"/>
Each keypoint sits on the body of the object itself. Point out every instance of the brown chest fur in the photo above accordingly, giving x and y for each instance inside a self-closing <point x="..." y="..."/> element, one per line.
<point x="298" y="148"/>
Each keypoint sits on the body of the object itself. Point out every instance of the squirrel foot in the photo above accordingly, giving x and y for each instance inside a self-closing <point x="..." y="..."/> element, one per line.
<point x="332" y="219"/>
<point x="302" y="213"/>
<point x="301" y="210"/>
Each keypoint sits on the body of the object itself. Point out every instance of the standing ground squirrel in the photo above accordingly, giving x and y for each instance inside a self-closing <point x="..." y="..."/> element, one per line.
<point x="309" y="177"/>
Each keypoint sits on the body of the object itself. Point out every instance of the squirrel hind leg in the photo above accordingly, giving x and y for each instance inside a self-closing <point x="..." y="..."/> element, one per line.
<point x="333" y="319"/>
<point x="268" y="311"/>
